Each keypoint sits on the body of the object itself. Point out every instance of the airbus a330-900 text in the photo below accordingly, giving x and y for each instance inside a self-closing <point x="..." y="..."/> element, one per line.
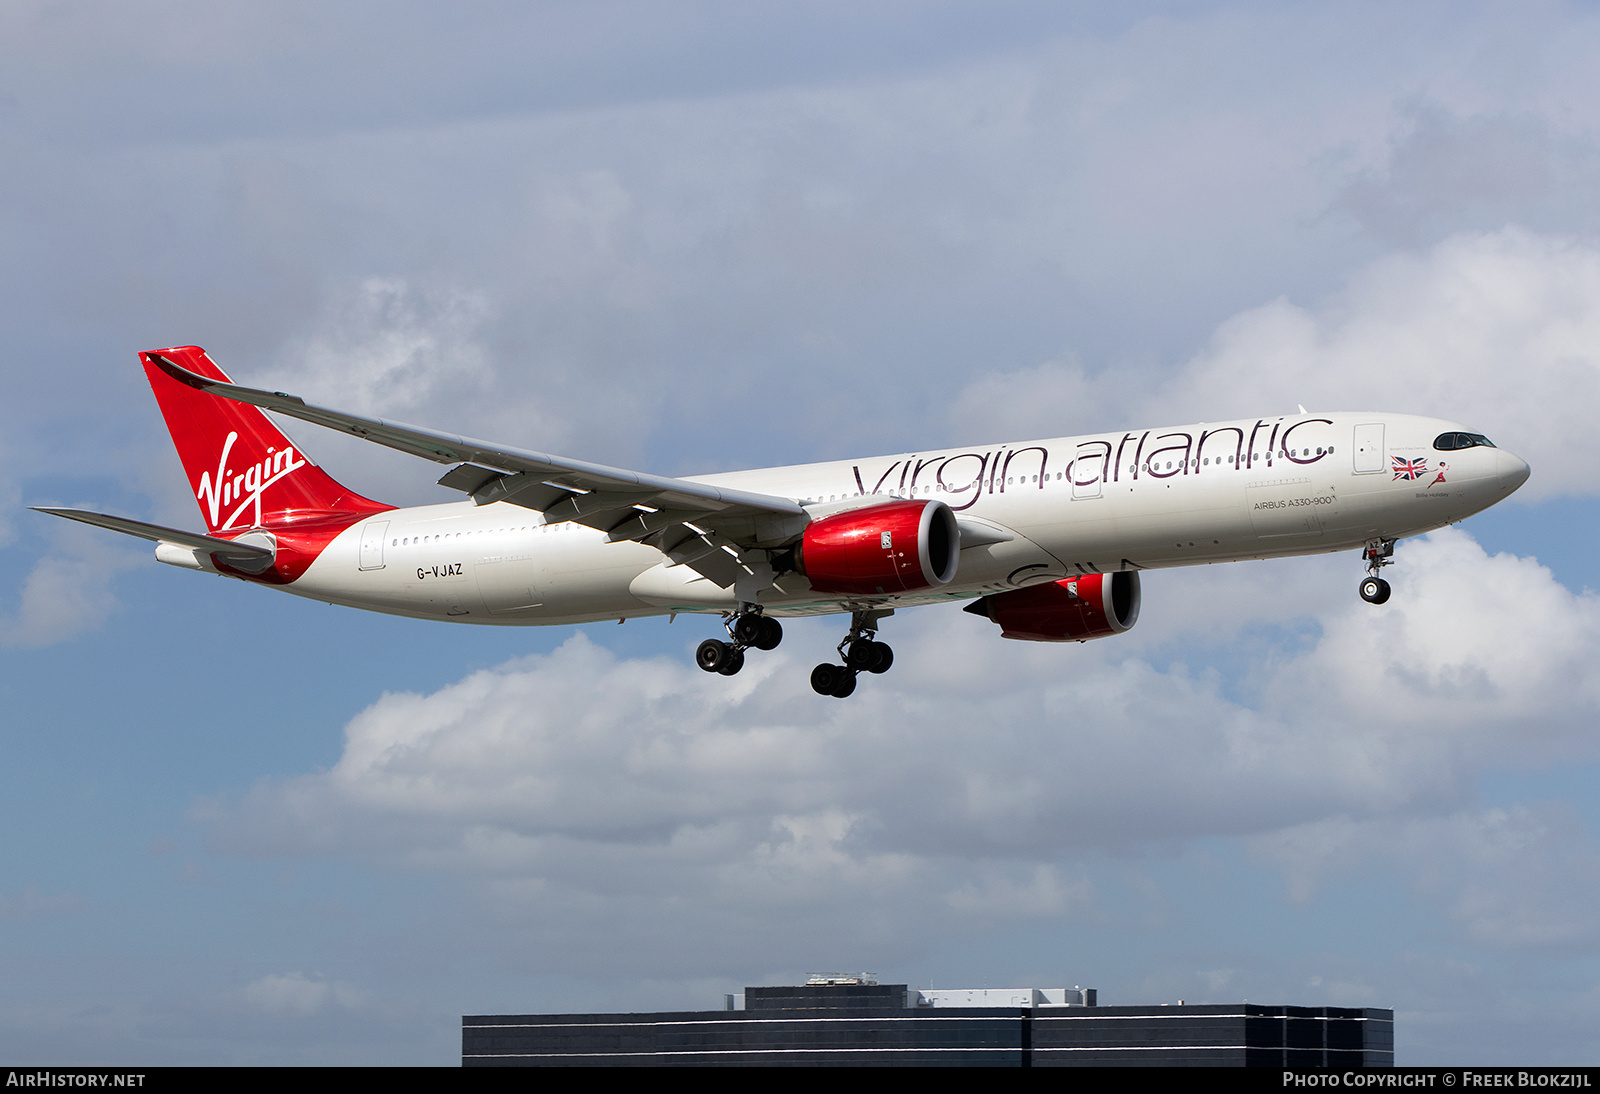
<point x="1044" y="538"/>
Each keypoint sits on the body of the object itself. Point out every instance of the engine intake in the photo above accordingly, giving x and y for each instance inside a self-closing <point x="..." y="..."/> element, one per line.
<point x="1074" y="609"/>
<point x="896" y="547"/>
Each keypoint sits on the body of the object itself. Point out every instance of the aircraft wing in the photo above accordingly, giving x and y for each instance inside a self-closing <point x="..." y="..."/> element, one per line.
<point x="694" y="524"/>
<point x="230" y="550"/>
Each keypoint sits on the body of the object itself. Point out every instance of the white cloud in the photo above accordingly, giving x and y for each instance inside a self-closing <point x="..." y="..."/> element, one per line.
<point x="298" y="994"/>
<point x="973" y="775"/>
<point x="69" y="590"/>
<point x="1480" y="169"/>
<point x="1052" y="399"/>
<point x="387" y="347"/>
<point x="1508" y="877"/>
<point x="1472" y="644"/>
<point x="1499" y="331"/>
<point x="1042" y="890"/>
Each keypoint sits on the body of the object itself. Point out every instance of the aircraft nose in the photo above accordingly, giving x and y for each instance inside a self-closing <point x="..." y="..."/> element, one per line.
<point x="1511" y="471"/>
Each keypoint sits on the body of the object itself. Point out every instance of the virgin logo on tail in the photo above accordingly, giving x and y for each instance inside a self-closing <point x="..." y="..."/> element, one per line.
<point x="229" y="487"/>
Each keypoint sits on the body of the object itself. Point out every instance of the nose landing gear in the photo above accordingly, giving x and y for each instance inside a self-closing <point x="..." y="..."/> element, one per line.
<point x="1375" y="590"/>
<point x="747" y="628"/>
<point x="860" y="651"/>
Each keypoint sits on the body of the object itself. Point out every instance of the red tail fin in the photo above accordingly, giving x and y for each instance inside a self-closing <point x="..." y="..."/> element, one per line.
<point x="244" y="472"/>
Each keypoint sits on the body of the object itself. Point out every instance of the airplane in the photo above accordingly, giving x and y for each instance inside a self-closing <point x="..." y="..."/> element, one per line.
<point x="1047" y="539"/>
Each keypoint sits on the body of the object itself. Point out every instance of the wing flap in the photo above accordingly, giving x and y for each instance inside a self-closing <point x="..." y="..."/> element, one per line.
<point x="469" y="478"/>
<point x="527" y="490"/>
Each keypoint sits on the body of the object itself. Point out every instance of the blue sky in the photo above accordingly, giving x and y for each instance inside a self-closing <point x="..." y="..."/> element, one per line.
<point x="249" y="828"/>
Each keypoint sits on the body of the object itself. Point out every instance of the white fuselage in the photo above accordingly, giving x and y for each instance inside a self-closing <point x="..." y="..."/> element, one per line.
<point x="1028" y="512"/>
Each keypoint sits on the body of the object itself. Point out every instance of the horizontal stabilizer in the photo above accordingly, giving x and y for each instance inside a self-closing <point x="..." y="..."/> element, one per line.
<point x="227" y="548"/>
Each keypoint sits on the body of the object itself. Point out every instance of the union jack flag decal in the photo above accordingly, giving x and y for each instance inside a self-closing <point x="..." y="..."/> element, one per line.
<point x="1408" y="469"/>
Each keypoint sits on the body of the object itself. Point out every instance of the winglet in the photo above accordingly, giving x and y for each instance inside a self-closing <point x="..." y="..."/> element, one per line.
<point x="207" y="384"/>
<point x="182" y="375"/>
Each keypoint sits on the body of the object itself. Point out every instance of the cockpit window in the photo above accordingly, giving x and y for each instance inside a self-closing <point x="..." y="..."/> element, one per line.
<point x="1449" y="442"/>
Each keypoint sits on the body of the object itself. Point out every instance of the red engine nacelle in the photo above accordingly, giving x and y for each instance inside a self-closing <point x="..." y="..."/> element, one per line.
<point x="896" y="547"/>
<point x="1075" y="609"/>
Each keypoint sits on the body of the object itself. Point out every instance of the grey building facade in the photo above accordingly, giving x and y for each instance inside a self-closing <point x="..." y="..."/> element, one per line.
<point x="884" y="1025"/>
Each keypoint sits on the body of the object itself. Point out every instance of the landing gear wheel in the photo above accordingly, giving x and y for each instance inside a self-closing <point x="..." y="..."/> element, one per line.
<point x="1377" y="554"/>
<point x="860" y="651"/>
<point x="712" y="655"/>
<point x="771" y="634"/>
<point x="885" y="658"/>
<point x="861" y="654"/>
<point x="747" y="629"/>
<point x="732" y="663"/>
<point x="824" y="677"/>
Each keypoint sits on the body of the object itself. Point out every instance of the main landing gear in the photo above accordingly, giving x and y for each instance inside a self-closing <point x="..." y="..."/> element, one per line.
<point x="860" y="652"/>
<point x="1375" y="590"/>
<point x="747" y="627"/>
